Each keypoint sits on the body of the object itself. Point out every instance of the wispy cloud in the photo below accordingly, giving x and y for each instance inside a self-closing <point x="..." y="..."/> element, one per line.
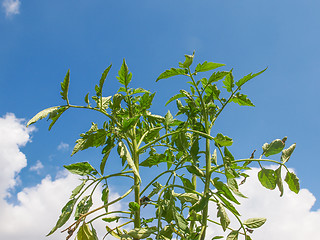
<point x="63" y="146"/>
<point x="11" y="7"/>
<point x="37" y="167"/>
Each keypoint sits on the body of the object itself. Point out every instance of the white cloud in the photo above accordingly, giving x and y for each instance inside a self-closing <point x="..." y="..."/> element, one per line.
<point x="11" y="7"/>
<point x="288" y="217"/>
<point x="37" y="167"/>
<point x="63" y="146"/>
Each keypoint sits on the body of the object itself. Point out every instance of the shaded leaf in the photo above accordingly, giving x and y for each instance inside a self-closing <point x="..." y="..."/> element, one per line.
<point x="223" y="188"/>
<point x="77" y="190"/>
<point x="233" y="235"/>
<point x="216" y="76"/>
<point x="195" y="170"/>
<point x="279" y="181"/>
<point x="105" y="197"/>
<point x="83" y="207"/>
<point x="200" y="205"/>
<point x="125" y="155"/>
<point x="84" y="233"/>
<point x="141" y="233"/>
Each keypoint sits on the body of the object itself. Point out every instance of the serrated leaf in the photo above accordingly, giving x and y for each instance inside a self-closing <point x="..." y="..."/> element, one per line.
<point x="254" y="222"/>
<point x="286" y="153"/>
<point x="125" y="155"/>
<point x="168" y="119"/>
<point x="224" y="219"/>
<point x="124" y="74"/>
<point x="233" y="235"/>
<point x="177" y="96"/>
<point x="187" y="63"/>
<point x="65" y="215"/>
<point x="81" y="168"/>
<point x="242" y="100"/>
<point x="248" y="77"/>
<point x="65" y="87"/>
<point x="54" y="116"/>
<point x="293" y="182"/>
<point x="42" y="114"/>
<point x="229" y="82"/>
<point x="273" y="148"/>
<point x="216" y="76"/>
<point x="101" y="82"/>
<point x="267" y="178"/>
<point x="207" y="66"/>
<point x="128" y="123"/>
<point x="172" y="72"/>
<point x="223" y="140"/>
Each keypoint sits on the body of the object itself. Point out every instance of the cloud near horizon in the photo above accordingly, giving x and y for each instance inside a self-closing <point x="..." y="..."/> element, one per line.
<point x="39" y="206"/>
<point x="11" y="7"/>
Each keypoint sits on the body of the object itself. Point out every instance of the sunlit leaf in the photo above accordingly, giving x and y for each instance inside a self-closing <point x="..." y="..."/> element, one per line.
<point x="65" y="87"/>
<point x="141" y="233"/>
<point x="286" y="153"/>
<point x="233" y="235"/>
<point x="83" y="206"/>
<point x="125" y="155"/>
<point x="229" y="82"/>
<point x="268" y="178"/>
<point x="242" y="100"/>
<point x="223" y="140"/>
<point x="124" y="74"/>
<point x="293" y="182"/>
<point x="248" y="77"/>
<point x="224" y="219"/>
<point x="84" y="233"/>
<point x="207" y="66"/>
<point x="187" y="63"/>
<point x="44" y="113"/>
<point x="103" y="78"/>
<point x="81" y="168"/>
<point x="273" y="148"/>
<point x="254" y="222"/>
<point x="172" y="72"/>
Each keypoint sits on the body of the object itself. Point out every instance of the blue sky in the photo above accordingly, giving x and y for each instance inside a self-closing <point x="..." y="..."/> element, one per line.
<point x="41" y="40"/>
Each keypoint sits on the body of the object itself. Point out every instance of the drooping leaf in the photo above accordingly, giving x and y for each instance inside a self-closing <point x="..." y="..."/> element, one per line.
<point x="101" y="82"/>
<point x="84" y="233"/>
<point x="224" y="189"/>
<point x="200" y="205"/>
<point x="65" y="215"/>
<point x="217" y="237"/>
<point x="268" y="178"/>
<point x="42" y="114"/>
<point x="142" y="233"/>
<point x="187" y="63"/>
<point x="81" y="168"/>
<point x="86" y="99"/>
<point x="65" y="87"/>
<point x="54" y="116"/>
<point x="273" y="148"/>
<point x="224" y="219"/>
<point x="180" y="221"/>
<point x="254" y="222"/>
<point x="223" y="140"/>
<point x="153" y="160"/>
<point x="172" y="72"/>
<point x="111" y="219"/>
<point x="129" y="123"/>
<point x="105" y="197"/>
<point x="186" y="197"/>
<point x="134" y="206"/>
<point x="177" y="96"/>
<point x="293" y="182"/>
<point x="106" y="151"/>
<point x="286" y="153"/>
<point x="125" y="155"/>
<point x="229" y="82"/>
<point x="187" y="184"/>
<point x="228" y="205"/>
<point x="195" y="170"/>
<point x="124" y="74"/>
<point x="83" y="206"/>
<point x="233" y="185"/>
<point x="77" y="190"/>
<point x="233" y="235"/>
<point x="248" y="77"/>
<point x="279" y="180"/>
<point x="207" y="66"/>
<point x="242" y="100"/>
<point x="157" y="187"/>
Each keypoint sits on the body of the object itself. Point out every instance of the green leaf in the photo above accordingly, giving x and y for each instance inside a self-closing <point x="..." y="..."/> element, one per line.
<point x="233" y="235"/>
<point x="186" y="197"/>
<point x="111" y="219"/>
<point x="81" y="168"/>
<point x="134" y="206"/>
<point x="106" y="151"/>
<point x="141" y="233"/>
<point x="268" y="178"/>
<point x="154" y="159"/>
<point x="128" y="123"/>
<point x="229" y="82"/>
<point x="125" y="155"/>
<point x="180" y="221"/>
<point x="77" y="190"/>
<point x="216" y="76"/>
<point x="172" y="72"/>
<point x="187" y="63"/>
<point x="207" y="66"/>
<point x="248" y="77"/>
<point x="214" y="157"/>
<point x="279" y="181"/>
<point x="233" y="185"/>
<point x="54" y="116"/>
<point x="187" y="184"/>
<point x="44" y="113"/>
<point x="200" y="205"/>
<point x="86" y="99"/>
<point x="177" y="96"/>
<point x="195" y="170"/>
<point x="84" y="233"/>
<point x="223" y="140"/>
<point x="224" y="189"/>
<point x="102" y="79"/>
<point x="224" y="219"/>
<point x="242" y="100"/>
<point x="217" y="237"/>
<point x="228" y="205"/>
<point x="273" y="148"/>
<point x="105" y="197"/>
<point x="168" y="119"/>
<point x="293" y="182"/>
<point x="286" y="153"/>
<point x="124" y="74"/>
<point x="83" y="207"/>
<point x="65" y="87"/>
<point x="65" y="215"/>
<point x="155" y="190"/>
<point x="254" y="222"/>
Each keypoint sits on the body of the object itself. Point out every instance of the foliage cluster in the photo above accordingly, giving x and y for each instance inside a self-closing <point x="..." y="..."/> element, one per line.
<point x="200" y="168"/>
